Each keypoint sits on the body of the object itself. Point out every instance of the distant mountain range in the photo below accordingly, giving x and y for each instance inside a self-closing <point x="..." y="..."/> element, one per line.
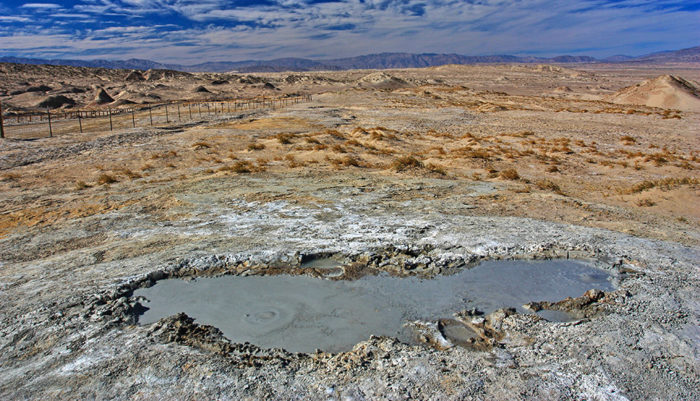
<point x="371" y="61"/>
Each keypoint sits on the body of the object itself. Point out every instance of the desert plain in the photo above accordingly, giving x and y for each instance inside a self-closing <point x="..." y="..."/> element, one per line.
<point x="411" y="172"/>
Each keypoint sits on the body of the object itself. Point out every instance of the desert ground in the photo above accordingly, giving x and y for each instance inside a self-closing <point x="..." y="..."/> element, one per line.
<point x="414" y="172"/>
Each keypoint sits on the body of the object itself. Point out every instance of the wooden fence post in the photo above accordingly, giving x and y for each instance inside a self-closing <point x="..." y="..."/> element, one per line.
<point x="110" y="119"/>
<point x="2" y="123"/>
<point x="48" y="112"/>
<point x="150" y="114"/>
<point x="178" y="112"/>
<point x="133" y="119"/>
<point x="200" y="109"/>
<point x="80" y="122"/>
<point x="167" y="118"/>
<point x="189" y="106"/>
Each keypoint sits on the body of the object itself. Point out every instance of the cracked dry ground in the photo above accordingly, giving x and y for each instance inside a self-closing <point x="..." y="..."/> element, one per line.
<point x="437" y="173"/>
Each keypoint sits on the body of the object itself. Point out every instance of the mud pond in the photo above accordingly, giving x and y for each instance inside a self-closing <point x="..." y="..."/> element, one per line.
<point x="302" y="314"/>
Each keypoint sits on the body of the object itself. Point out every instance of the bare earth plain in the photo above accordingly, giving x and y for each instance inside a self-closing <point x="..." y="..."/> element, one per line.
<point x="409" y="172"/>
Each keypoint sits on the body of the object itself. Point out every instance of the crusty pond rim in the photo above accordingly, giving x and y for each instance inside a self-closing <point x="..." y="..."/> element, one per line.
<point x="124" y="309"/>
<point x="362" y="264"/>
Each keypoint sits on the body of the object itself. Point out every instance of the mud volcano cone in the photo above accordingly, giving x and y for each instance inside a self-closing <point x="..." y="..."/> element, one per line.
<point x="134" y="76"/>
<point x="55" y="102"/>
<point x="665" y="91"/>
<point x="103" y="97"/>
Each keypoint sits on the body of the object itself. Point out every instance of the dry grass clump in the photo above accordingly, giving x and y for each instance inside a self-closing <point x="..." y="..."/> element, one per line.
<point x="347" y="161"/>
<point x="334" y="133"/>
<point x="131" y="174"/>
<point x="359" y="131"/>
<point x="380" y="151"/>
<point x="338" y="149"/>
<point x="667" y="114"/>
<point x="552" y="169"/>
<point x="405" y="163"/>
<point x="376" y="135"/>
<point x="438" y="149"/>
<point x="436" y="168"/>
<point x="312" y="141"/>
<point x="628" y="140"/>
<point x="80" y="185"/>
<point x="292" y="161"/>
<point x="547" y="185"/>
<point x="256" y="146"/>
<point x="645" y="203"/>
<point x="663" y="184"/>
<point x="521" y="134"/>
<point x="284" y="139"/>
<point x="200" y="145"/>
<point x="241" y="167"/>
<point x="172" y="153"/>
<point x="381" y="133"/>
<point x="436" y="134"/>
<point x="479" y="154"/>
<point x="10" y="177"/>
<point x="658" y="158"/>
<point x="510" y="174"/>
<point x="105" y="179"/>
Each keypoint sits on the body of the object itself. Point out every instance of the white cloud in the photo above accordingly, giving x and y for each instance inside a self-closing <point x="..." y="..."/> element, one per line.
<point x="219" y="31"/>
<point x="13" y="19"/>
<point x="71" y="15"/>
<point x="46" y="6"/>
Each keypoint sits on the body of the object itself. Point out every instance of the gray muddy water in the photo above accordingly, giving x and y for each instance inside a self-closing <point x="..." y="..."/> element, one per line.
<point x="302" y="314"/>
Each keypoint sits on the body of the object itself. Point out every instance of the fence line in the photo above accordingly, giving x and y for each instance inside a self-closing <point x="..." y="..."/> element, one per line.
<point x="51" y="123"/>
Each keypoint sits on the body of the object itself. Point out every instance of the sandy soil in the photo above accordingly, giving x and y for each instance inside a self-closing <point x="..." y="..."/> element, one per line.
<point x="423" y="170"/>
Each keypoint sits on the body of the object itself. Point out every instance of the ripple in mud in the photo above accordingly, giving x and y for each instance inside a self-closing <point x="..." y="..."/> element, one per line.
<point x="302" y="314"/>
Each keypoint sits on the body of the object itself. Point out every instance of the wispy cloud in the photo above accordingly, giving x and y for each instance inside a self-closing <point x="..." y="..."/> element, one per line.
<point x="13" y="19"/>
<point x="41" y="6"/>
<point x="190" y="31"/>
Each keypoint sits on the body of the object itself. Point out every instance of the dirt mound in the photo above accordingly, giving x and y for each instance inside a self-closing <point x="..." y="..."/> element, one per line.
<point x="665" y="91"/>
<point x="155" y="75"/>
<point x="382" y="80"/>
<point x="250" y="79"/>
<point x="123" y="102"/>
<point x="132" y="97"/>
<point x="134" y="76"/>
<point x="562" y="89"/>
<point x="40" y="88"/>
<point x="73" y="90"/>
<point x="55" y="102"/>
<point x="201" y="89"/>
<point x="490" y="108"/>
<point x="298" y="78"/>
<point x="293" y="79"/>
<point x="269" y="86"/>
<point x="548" y="68"/>
<point x="102" y="97"/>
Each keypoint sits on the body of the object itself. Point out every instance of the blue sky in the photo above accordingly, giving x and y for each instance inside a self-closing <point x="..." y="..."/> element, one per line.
<point x="189" y="32"/>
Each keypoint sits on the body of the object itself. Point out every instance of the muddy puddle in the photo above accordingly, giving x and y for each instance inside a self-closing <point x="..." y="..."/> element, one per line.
<point x="302" y="314"/>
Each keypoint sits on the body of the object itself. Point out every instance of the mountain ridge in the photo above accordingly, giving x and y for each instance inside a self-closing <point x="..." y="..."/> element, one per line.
<point x="369" y="61"/>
